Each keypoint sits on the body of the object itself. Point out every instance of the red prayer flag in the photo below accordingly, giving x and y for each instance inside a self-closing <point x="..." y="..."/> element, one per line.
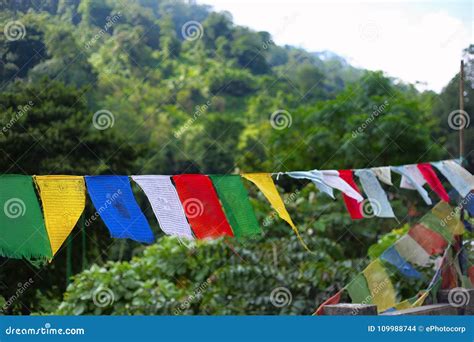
<point x="433" y="181"/>
<point x="201" y="206"/>
<point x="432" y="242"/>
<point x="353" y="207"/>
<point x="333" y="300"/>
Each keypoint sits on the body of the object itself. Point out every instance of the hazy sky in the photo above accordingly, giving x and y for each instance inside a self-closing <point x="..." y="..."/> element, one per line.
<point x="412" y="40"/>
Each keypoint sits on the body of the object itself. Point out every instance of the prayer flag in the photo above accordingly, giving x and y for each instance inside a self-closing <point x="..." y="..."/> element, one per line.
<point x="411" y="251"/>
<point x="333" y="300"/>
<point x="264" y="183"/>
<point x="380" y="286"/>
<point x="352" y="205"/>
<point x="201" y="206"/>
<point x="63" y="199"/>
<point x="22" y="230"/>
<point x="384" y="174"/>
<point x="114" y="202"/>
<point x="166" y="205"/>
<point x="332" y="178"/>
<point x="431" y="241"/>
<point x="235" y="200"/>
<point x="458" y="176"/>
<point x="391" y="256"/>
<point x="359" y="291"/>
<point x="433" y="181"/>
<point x="377" y="197"/>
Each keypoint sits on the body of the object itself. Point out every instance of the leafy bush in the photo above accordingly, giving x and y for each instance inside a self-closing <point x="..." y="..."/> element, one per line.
<point x="214" y="277"/>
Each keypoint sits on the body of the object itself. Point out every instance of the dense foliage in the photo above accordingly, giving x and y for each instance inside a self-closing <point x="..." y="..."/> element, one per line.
<point x="202" y="101"/>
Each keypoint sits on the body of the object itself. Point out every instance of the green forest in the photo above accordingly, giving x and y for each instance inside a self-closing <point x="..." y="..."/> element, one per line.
<point x="94" y="87"/>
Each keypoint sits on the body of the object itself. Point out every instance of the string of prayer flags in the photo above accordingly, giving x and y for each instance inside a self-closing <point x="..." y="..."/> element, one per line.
<point x="384" y="174"/>
<point x="64" y="200"/>
<point x="264" y="183"/>
<point x="380" y="286"/>
<point x="373" y="284"/>
<point x="332" y="178"/>
<point x="413" y="183"/>
<point x="433" y="181"/>
<point x="458" y="176"/>
<point x="113" y="199"/>
<point x="235" y="201"/>
<point x="22" y="230"/>
<point x="201" y="206"/>
<point x="352" y="205"/>
<point x="316" y="177"/>
<point x="376" y="195"/>
<point x="166" y="205"/>
<point x="391" y="256"/>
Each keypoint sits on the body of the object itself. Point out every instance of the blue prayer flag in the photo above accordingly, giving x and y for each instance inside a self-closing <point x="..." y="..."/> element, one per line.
<point x="393" y="257"/>
<point x="114" y="201"/>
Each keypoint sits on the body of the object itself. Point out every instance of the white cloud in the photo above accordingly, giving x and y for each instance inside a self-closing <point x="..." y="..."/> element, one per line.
<point x="411" y="41"/>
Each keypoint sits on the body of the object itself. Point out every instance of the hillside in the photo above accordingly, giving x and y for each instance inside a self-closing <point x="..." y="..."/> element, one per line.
<point x="165" y="87"/>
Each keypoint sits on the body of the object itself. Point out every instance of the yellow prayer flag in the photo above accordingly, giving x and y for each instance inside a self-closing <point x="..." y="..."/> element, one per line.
<point x="63" y="199"/>
<point x="380" y="286"/>
<point x="449" y="217"/>
<point x="264" y="183"/>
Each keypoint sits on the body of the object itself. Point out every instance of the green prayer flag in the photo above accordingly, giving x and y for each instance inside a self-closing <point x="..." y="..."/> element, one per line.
<point x="22" y="230"/>
<point x="236" y="204"/>
<point x="359" y="290"/>
<point x="432" y="222"/>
